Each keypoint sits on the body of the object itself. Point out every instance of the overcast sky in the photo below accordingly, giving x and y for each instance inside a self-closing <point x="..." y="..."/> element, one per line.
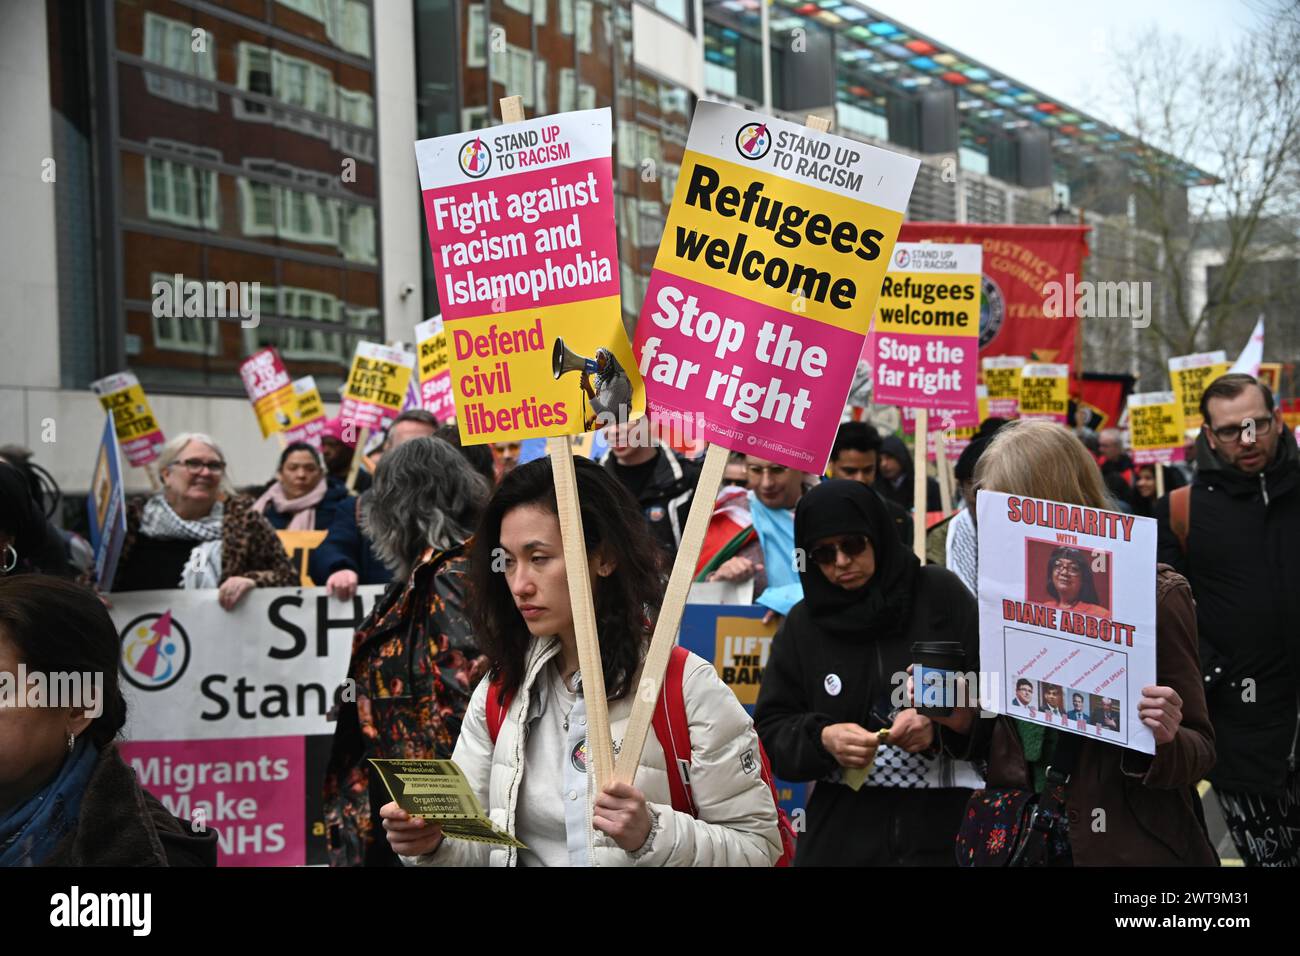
<point x="1052" y="46"/>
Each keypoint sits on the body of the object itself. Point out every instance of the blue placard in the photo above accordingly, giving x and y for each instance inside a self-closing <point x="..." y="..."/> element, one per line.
<point x="742" y="671"/>
<point x="106" y="504"/>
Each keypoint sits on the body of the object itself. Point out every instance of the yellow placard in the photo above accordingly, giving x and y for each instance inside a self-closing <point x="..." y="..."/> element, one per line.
<point x="728" y="254"/>
<point x="1155" y="427"/>
<point x="299" y="545"/>
<point x="132" y="416"/>
<point x="1045" y="392"/>
<point x="275" y="412"/>
<point x="533" y="372"/>
<point x="744" y="645"/>
<point x="1189" y="375"/>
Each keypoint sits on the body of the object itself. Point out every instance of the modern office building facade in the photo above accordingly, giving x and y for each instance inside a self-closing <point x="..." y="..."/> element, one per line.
<point x="268" y="142"/>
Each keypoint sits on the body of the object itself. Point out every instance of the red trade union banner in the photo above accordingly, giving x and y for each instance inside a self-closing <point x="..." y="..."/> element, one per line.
<point x="1018" y="263"/>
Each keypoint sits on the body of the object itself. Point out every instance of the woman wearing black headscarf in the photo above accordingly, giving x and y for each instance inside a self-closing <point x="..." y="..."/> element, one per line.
<point x="836" y="677"/>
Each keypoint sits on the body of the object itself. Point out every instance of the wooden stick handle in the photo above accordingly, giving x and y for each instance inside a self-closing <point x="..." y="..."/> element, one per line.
<point x="943" y="472"/>
<point x="512" y="109"/>
<point x="599" y="740"/>
<point x="357" y="454"/>
<point x="918" y="485"/>
<point x="679" y="585"/>
<point x="670" y="613"/>
<point x="1160" y="479"/>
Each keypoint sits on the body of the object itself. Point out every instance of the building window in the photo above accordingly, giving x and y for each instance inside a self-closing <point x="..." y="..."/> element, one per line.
<point x="568" y="90"/>
<point x="171" y="43"/>
<point x="181" y="194"/>
<point x="182" y="333"/>
<point x="256" y="208"/>
<point x="862" y="121"/>
<point x="582" y="17"/>
<point x="308" y="218"/>
<point x="346" y="22"/>
<point x="475" y="37"/>
<point x="308" y="8"/>
<point x="973" y="160"/>
<point x="513" y="68"/>
<point x="357" y="240"/>
<point x="679" y="10"/>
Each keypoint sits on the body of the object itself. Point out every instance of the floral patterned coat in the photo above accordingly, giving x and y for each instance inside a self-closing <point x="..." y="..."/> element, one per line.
<point x="411" y="663"/>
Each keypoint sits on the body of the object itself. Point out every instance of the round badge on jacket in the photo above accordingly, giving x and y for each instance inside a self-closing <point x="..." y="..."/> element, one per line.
<point x="833" y="685"/>
<point x="579" y="756"/>
<point x="656" y="513"/>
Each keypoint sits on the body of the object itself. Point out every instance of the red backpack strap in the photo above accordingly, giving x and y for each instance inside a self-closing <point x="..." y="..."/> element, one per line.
<point x="674" y="732"/>
<point x="496" y="709"/>
<point x="1180" y="510"/>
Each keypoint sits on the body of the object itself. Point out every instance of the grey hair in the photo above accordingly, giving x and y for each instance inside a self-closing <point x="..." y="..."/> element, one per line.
<point x="172" y="448"/>
<point x="425" y="495"/>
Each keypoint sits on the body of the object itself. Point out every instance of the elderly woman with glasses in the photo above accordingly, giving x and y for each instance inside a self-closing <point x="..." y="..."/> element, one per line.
<point x="834" y="682"/>
<point x="195" y="532"/>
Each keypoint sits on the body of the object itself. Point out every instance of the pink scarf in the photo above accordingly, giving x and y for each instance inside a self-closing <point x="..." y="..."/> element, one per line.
<point x="303" y="508"/>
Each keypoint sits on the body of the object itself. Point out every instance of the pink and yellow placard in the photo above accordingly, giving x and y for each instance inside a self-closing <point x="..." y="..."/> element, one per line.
<point x="771" y="260"/>
<point x="521" y="227"/>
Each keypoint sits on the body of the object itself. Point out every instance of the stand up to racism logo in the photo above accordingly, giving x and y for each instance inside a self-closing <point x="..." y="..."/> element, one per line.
<point x="753" y="141"/>
<point x="155" y="651"/>
<point x="475" y="158"/>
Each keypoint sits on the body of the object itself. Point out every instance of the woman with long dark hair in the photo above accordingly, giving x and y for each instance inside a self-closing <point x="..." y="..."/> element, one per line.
<point x="531" y="775"/>
<point x="1144" y="487"/>
<point x="302" y="497"/>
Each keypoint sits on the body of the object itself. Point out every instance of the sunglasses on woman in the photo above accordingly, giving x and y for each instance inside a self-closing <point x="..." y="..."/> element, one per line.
<point x="850" y="546"/>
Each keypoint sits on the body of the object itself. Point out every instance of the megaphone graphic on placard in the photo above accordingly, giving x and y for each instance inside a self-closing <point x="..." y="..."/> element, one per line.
<point x="565" y="360"/>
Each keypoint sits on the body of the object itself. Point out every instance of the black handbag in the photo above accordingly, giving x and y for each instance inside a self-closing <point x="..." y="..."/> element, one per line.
<point x="1007" y="827"/>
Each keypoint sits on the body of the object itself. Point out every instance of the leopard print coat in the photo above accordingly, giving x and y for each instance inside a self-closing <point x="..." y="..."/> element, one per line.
<point x="250" y="548"/>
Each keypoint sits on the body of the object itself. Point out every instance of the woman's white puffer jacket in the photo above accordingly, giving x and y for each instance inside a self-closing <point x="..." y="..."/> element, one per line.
<point x="737" y="824"/>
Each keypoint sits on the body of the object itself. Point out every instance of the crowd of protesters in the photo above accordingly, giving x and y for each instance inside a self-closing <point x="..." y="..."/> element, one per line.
<point x="470" y="653"/>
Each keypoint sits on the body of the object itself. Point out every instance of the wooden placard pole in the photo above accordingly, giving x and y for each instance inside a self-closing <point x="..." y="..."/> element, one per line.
<point x="1159" y="470"/>
<point x="560" y="449"/>
<point x="670" y="612"/>
<point x="918" y="485"/>
<point x="679" y="585"/>
<point x="941" y="467"/>
<point x="600" y="742"/>
<point x="357" y="454"/>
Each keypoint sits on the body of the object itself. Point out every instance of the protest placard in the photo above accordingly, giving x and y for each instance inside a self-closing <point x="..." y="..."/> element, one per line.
<point x="736" y="641"/>
<point x="1190" y="374"/>
<point x="925" y="337"/>
<point x="307" y="420"/>
<point x="1155" y="421"/>
<point x="227" y="711"/>
<point x="521" y="225"/>
<point x="299" y="545"/>
<point x="772" y="257"/>
<point x="954" y="428"/>
<point x="137" y="429"/>
<point x="266" y="381"/>
<point x="758" y="305"/>
<point x="1067" y="600"/>
<point x="1002" y="378"/>
<point x="434" y="369"/>
<point x="1045" y="392"/>
<point x="106" y="505"/>
<point x="376" y="385"/>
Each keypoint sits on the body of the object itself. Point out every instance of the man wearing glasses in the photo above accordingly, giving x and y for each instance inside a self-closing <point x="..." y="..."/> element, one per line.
<point x="1236" y="536"/>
